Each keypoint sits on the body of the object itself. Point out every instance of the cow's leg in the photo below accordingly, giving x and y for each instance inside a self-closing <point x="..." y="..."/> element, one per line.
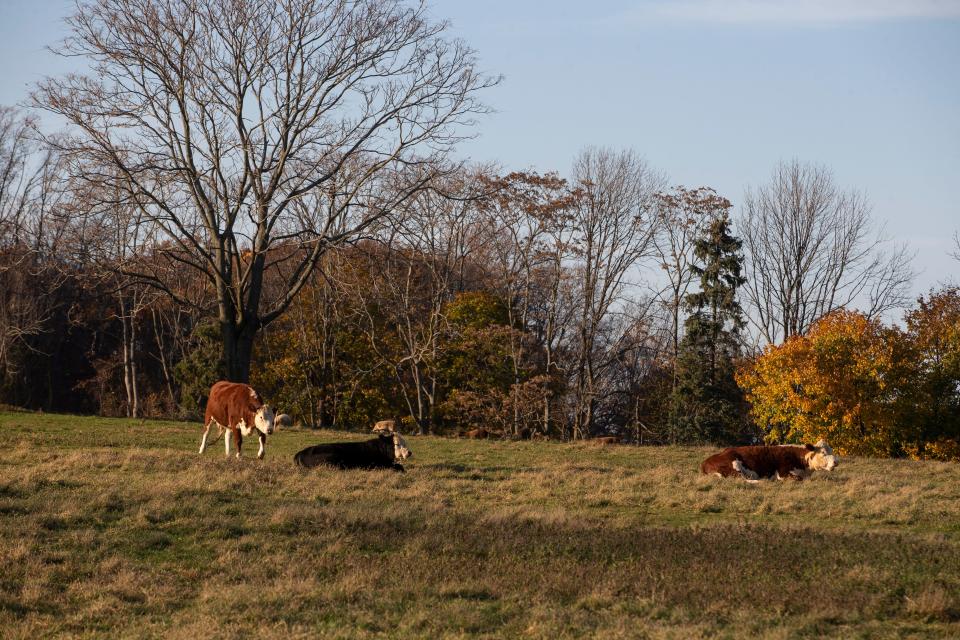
<point x="746" y="472"/>
<point x="206" y="432"/>
<point x="226" y="441"/>
<point x="263" y="441"/>
<point x="239" y="437"/>
<point x="207" y="442"/>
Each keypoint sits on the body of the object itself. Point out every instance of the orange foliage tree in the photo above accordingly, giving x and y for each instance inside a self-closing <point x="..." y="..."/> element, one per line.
<point x="837" y="382"/>
<point x="869" y="389"/>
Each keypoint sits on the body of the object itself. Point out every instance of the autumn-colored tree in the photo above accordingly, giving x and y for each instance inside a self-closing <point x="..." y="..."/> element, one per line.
<point x="838" y="382"/>
<point x="929" y="402"/>
<point x="481" y="384"/>
<point x="476" y="347"/>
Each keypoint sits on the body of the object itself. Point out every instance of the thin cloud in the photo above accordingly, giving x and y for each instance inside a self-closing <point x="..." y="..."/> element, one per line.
<point x="793" y="12"/>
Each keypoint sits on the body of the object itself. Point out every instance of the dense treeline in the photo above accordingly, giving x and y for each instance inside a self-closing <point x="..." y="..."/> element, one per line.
<point x="526" y="304"/>
<point x="283" y="207"/>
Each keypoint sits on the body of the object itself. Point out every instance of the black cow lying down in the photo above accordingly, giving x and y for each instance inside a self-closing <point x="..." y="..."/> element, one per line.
<point x="386" y="451"/>
<point x="781" y="462"/>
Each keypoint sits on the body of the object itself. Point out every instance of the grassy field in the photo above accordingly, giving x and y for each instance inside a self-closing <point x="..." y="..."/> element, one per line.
<point x="117" y="528"/>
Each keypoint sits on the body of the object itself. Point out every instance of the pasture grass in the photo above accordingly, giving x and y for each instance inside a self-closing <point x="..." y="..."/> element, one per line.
<point x="117" y="528"/>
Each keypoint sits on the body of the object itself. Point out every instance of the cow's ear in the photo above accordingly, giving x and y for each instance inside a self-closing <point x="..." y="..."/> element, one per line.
<point x="810" y="447"/>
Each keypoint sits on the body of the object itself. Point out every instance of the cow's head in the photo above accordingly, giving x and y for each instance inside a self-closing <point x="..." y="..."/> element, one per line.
<point x="263" y="419"/>
<point x="820" y="456"/>
<point x="400" y="450"/>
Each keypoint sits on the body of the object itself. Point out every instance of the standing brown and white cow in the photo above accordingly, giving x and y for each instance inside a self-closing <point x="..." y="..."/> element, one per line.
<point x="237" y="409"/>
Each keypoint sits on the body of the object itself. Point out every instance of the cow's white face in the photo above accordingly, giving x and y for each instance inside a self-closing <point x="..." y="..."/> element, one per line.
<point x="400" y="450"/>
<point x="822" y="457"/>
<point x="264" y="419"/>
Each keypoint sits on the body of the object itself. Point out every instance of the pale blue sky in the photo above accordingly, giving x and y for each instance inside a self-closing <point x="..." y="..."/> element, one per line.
<point x="712" y="92"/>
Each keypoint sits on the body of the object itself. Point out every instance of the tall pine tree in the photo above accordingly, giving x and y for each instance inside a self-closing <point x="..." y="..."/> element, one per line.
<point x="707" y="404"/>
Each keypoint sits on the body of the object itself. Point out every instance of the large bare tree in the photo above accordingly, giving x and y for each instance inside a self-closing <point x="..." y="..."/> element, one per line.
<point x="239" y="127"/>
<point x="614" y="230"/>
<point x="811" y="247"/>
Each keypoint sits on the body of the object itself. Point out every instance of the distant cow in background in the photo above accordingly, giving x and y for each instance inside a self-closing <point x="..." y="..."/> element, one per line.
<point x="386" y="451"/>
<point x="283" y="420"/>
<point x="780" y="462"/>
<point x="385" y="426"/>
<point x="237" y="410"/>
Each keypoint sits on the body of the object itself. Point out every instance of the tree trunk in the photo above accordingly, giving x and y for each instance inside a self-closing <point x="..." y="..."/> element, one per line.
<point x="546" y="413"/>
<point x="129" y="369"/>
<point x="135" y="409"/>
<point x="161" y="349"/>
<point x="237" y="350"/>
<point x="126" y="360"/>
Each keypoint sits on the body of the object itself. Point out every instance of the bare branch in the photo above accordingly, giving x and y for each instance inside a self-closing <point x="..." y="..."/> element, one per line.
<point x="258" y="134"/>
<point x="811" y="248"/>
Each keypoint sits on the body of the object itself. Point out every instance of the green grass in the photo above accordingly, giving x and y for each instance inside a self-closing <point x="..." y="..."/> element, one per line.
<point x="117" y="528"/>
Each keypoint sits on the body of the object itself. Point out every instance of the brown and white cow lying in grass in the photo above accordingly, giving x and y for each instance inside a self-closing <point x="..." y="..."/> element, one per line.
<point x="386" y="451"/>
<point x="237" y="409"/>
<point x="780" y="462"/>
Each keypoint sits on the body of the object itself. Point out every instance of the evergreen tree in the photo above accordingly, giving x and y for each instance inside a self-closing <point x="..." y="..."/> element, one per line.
<point x="707" y="404"/>
<point x="200" y="367"/>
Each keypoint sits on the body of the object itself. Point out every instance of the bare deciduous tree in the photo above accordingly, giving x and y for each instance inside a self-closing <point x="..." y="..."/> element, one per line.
<point x="682" y="215"/>
<point x="525" y="212"/>
<point x="614" y="230"/>
<point x="238" y="126"/>
<point x="32" y="232"/>
<point x="812" y="248"/>
<point x="637" y="356"/>
<point x="554" y="307"/>
<point x="17" y="180"/>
